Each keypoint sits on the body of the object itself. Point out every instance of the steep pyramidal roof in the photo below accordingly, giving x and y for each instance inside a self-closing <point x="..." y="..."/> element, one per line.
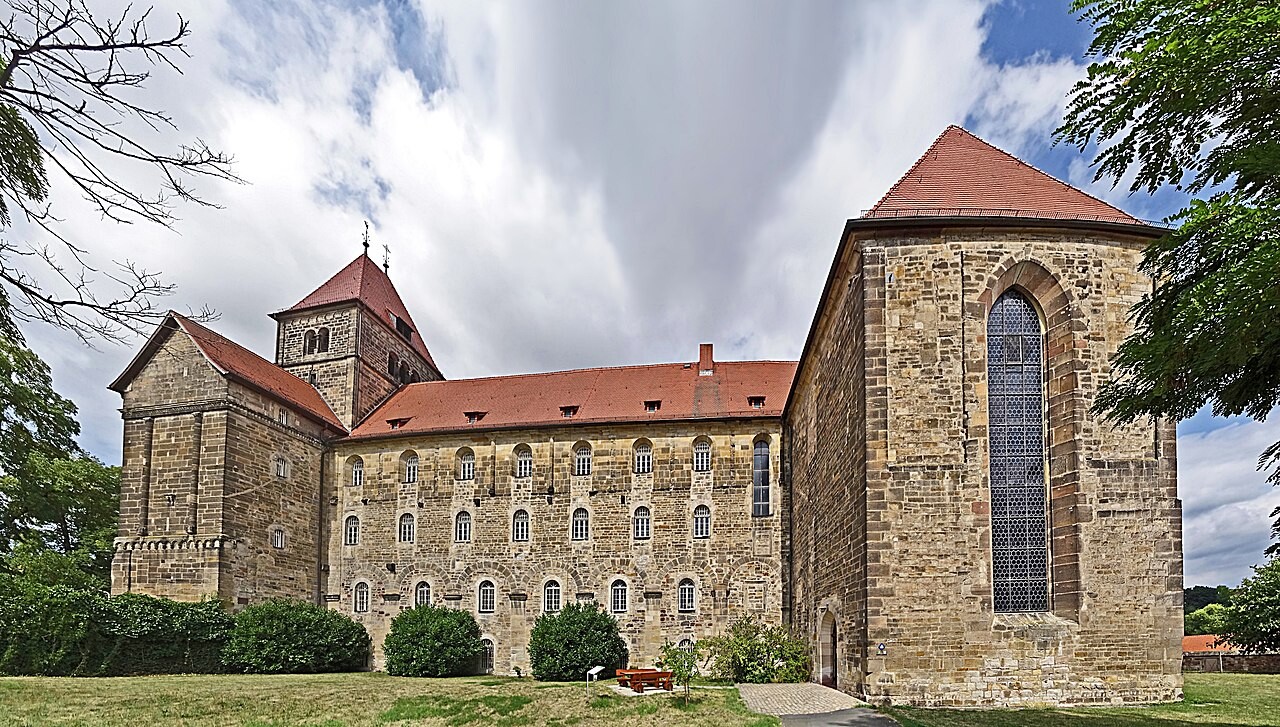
<point x="364" y="282"/>
<point x="964" y="176"/>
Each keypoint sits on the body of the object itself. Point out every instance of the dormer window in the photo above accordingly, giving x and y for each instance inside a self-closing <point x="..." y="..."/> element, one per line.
<point x="569" y="411"/>
<point x="755" y="402"/>
<point x="475" y="416"/>
<point x="402" y="327"/>
<point x="653" y="405"/>
<point x="398" y="423"/>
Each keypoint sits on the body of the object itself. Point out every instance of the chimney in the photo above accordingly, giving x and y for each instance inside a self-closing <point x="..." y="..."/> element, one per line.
<point x="706" y="366"/>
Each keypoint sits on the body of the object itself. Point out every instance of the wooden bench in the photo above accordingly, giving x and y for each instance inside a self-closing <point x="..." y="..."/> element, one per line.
<point x="659" y="679"/>
<point x="624" y="675"/>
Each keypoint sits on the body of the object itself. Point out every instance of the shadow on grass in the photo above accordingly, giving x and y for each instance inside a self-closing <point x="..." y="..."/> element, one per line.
<point x="502" y="710"/>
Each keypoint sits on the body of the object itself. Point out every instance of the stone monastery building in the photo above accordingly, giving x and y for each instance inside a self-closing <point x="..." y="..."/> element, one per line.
<point x="925" y="495"/>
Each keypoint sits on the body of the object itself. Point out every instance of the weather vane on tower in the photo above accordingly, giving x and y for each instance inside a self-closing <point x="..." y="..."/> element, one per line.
<point x="365" y="241"/>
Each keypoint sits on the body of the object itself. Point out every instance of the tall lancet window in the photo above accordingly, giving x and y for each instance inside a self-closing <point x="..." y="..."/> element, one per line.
<point x="1019" y="518"/>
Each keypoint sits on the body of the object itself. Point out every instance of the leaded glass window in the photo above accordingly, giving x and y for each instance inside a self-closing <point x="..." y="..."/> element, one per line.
<point x="1019" y="517"/>
<point x="760" y="480"/>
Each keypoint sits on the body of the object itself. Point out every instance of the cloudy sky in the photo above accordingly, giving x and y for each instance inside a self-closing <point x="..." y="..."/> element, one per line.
<point x="571" y="184"/>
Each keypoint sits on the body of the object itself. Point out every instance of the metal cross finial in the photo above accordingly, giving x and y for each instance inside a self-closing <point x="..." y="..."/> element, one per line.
<point x="386" y="258"/>
<point x="365" y="241"/>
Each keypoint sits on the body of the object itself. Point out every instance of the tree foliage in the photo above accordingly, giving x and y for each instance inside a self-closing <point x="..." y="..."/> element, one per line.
<point x="682" y="663"/>
<point x="753" y="652"/>
<point x="289" y="636"/>
<point x="1187" y="93"/>
<point x="1253" y="619"/>
<point x="432" y="641"/>
<point x="565" y="645"/>
<point x="1197" y="597"/>
<point x="69" y="104"/>
<point x="1210" y="619"/>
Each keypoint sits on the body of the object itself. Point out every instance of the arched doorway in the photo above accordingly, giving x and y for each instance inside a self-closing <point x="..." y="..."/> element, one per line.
<point x="827" y="673"/>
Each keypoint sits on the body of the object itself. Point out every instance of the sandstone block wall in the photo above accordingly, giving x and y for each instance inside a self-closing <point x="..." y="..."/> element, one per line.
<point x="737" y="571"/>
<point x="1113" y="634"/>
<point x="199" y="491"/>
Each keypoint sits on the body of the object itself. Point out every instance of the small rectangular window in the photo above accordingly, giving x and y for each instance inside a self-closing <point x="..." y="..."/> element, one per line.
<point x="474" y="416"/>
<point x="568" y="411"/>
<point x="653" y="405"/>
<point x="755" y="402"/>
<point x="277" y="539"/>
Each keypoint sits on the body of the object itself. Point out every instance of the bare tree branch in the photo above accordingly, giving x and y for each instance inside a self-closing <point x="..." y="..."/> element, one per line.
<point x="66" y="73"/>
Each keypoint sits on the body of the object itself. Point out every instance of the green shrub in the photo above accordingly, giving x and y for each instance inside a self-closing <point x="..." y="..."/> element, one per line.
<point x="1208" y="620"/>
<point x="755" y="653"/>
<point x="682" y="663"/>
<point x="288" y="636"/>
<point x="565" y="645"/>
<point x="59" y="631"/>
<point x="430" y="641"/>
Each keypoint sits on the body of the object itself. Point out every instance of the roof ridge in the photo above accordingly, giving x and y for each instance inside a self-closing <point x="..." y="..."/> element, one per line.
<point x="587" y="369"/>
<point x="919" y="160"/>
<point x="1033" y="167"/>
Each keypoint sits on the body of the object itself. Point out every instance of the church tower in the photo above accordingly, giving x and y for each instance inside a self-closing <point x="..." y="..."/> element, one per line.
<point x="353" y="340"/>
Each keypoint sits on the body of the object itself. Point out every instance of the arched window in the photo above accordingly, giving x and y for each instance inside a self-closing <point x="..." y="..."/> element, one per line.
<point x="309" y="343"/>
<point x="643" y="459"/>
<point x="618" y="596"/>
<point x="322" y="341"/>
<point x="277" y="539"/>
<point x="581" y="529"/>
<point x="357" y="472"/>
<point x="686" y="644"/>
<point x="582" y="460"/>
<point x="422" y="594"/>
<point x="393" y="365"/>
<point x="485" y="597"/>
<point x="486" y="659"/>
<point x="462" y="527"/>
<point x="1015" y="422"/>
<point x="351" y="533"/>
<point x="702" y="456"/>
<point x="760" y="480"/>
<point x="524" y="462"/>
<point x="640" y="524"/>
<point x="551" y="596"/>
<point x="411" y="469"/>
<point x="466" y="464"/>
<point x="685" y="596"/>
<point x="520" y="526"/>
<point x="403" y="376"/>
<point x="406" y="528"/>
<point x="702" y="522"/>
<point x="361" y="598"/>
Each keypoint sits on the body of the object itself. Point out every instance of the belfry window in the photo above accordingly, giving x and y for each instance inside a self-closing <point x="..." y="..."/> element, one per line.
<point x="322" y="341"/>
<point x="309" y="343"/>
<point x="1015" y="401"/>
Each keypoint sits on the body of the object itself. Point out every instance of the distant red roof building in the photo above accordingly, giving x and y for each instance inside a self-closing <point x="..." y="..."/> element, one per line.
<point x="1206" y="644"/>
<point x="962" y="176"/>
<point x="362" y="281"/>
<point x="660" y="392"/>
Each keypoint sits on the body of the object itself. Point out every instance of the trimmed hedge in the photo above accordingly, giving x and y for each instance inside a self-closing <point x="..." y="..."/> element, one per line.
<point x="59" y="631"/>
<point x="430" y="641"/>
<point x="564" y="645"/>
<point x="289" y="636"/>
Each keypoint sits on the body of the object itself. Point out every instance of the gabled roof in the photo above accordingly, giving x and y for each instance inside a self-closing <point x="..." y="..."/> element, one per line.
<point x="961" y="175"/>
<point x="362" y="281"/>
<point x="600" y="395"/>
<point x="234" y="361"/>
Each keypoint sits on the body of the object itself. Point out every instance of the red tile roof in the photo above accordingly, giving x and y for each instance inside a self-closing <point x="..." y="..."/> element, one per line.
<point x="232" y="359"/>
<point x="601" y="395"/>
<point x="364" y="282"/>
<point x="963" y="176"/>
<point x="1201" y="644"/>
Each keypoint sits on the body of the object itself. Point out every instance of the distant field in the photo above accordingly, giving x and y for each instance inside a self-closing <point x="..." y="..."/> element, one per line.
<point x="350" y="700"/>
<point x="1211" y="699"/>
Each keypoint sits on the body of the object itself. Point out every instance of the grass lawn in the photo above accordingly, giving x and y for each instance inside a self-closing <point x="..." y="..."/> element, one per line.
<point x="1211" y="699"/>
<point x="334" y="700"/>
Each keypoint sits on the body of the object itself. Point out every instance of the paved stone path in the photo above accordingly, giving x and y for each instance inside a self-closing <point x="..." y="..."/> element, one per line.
<point x="809" y="705"/>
